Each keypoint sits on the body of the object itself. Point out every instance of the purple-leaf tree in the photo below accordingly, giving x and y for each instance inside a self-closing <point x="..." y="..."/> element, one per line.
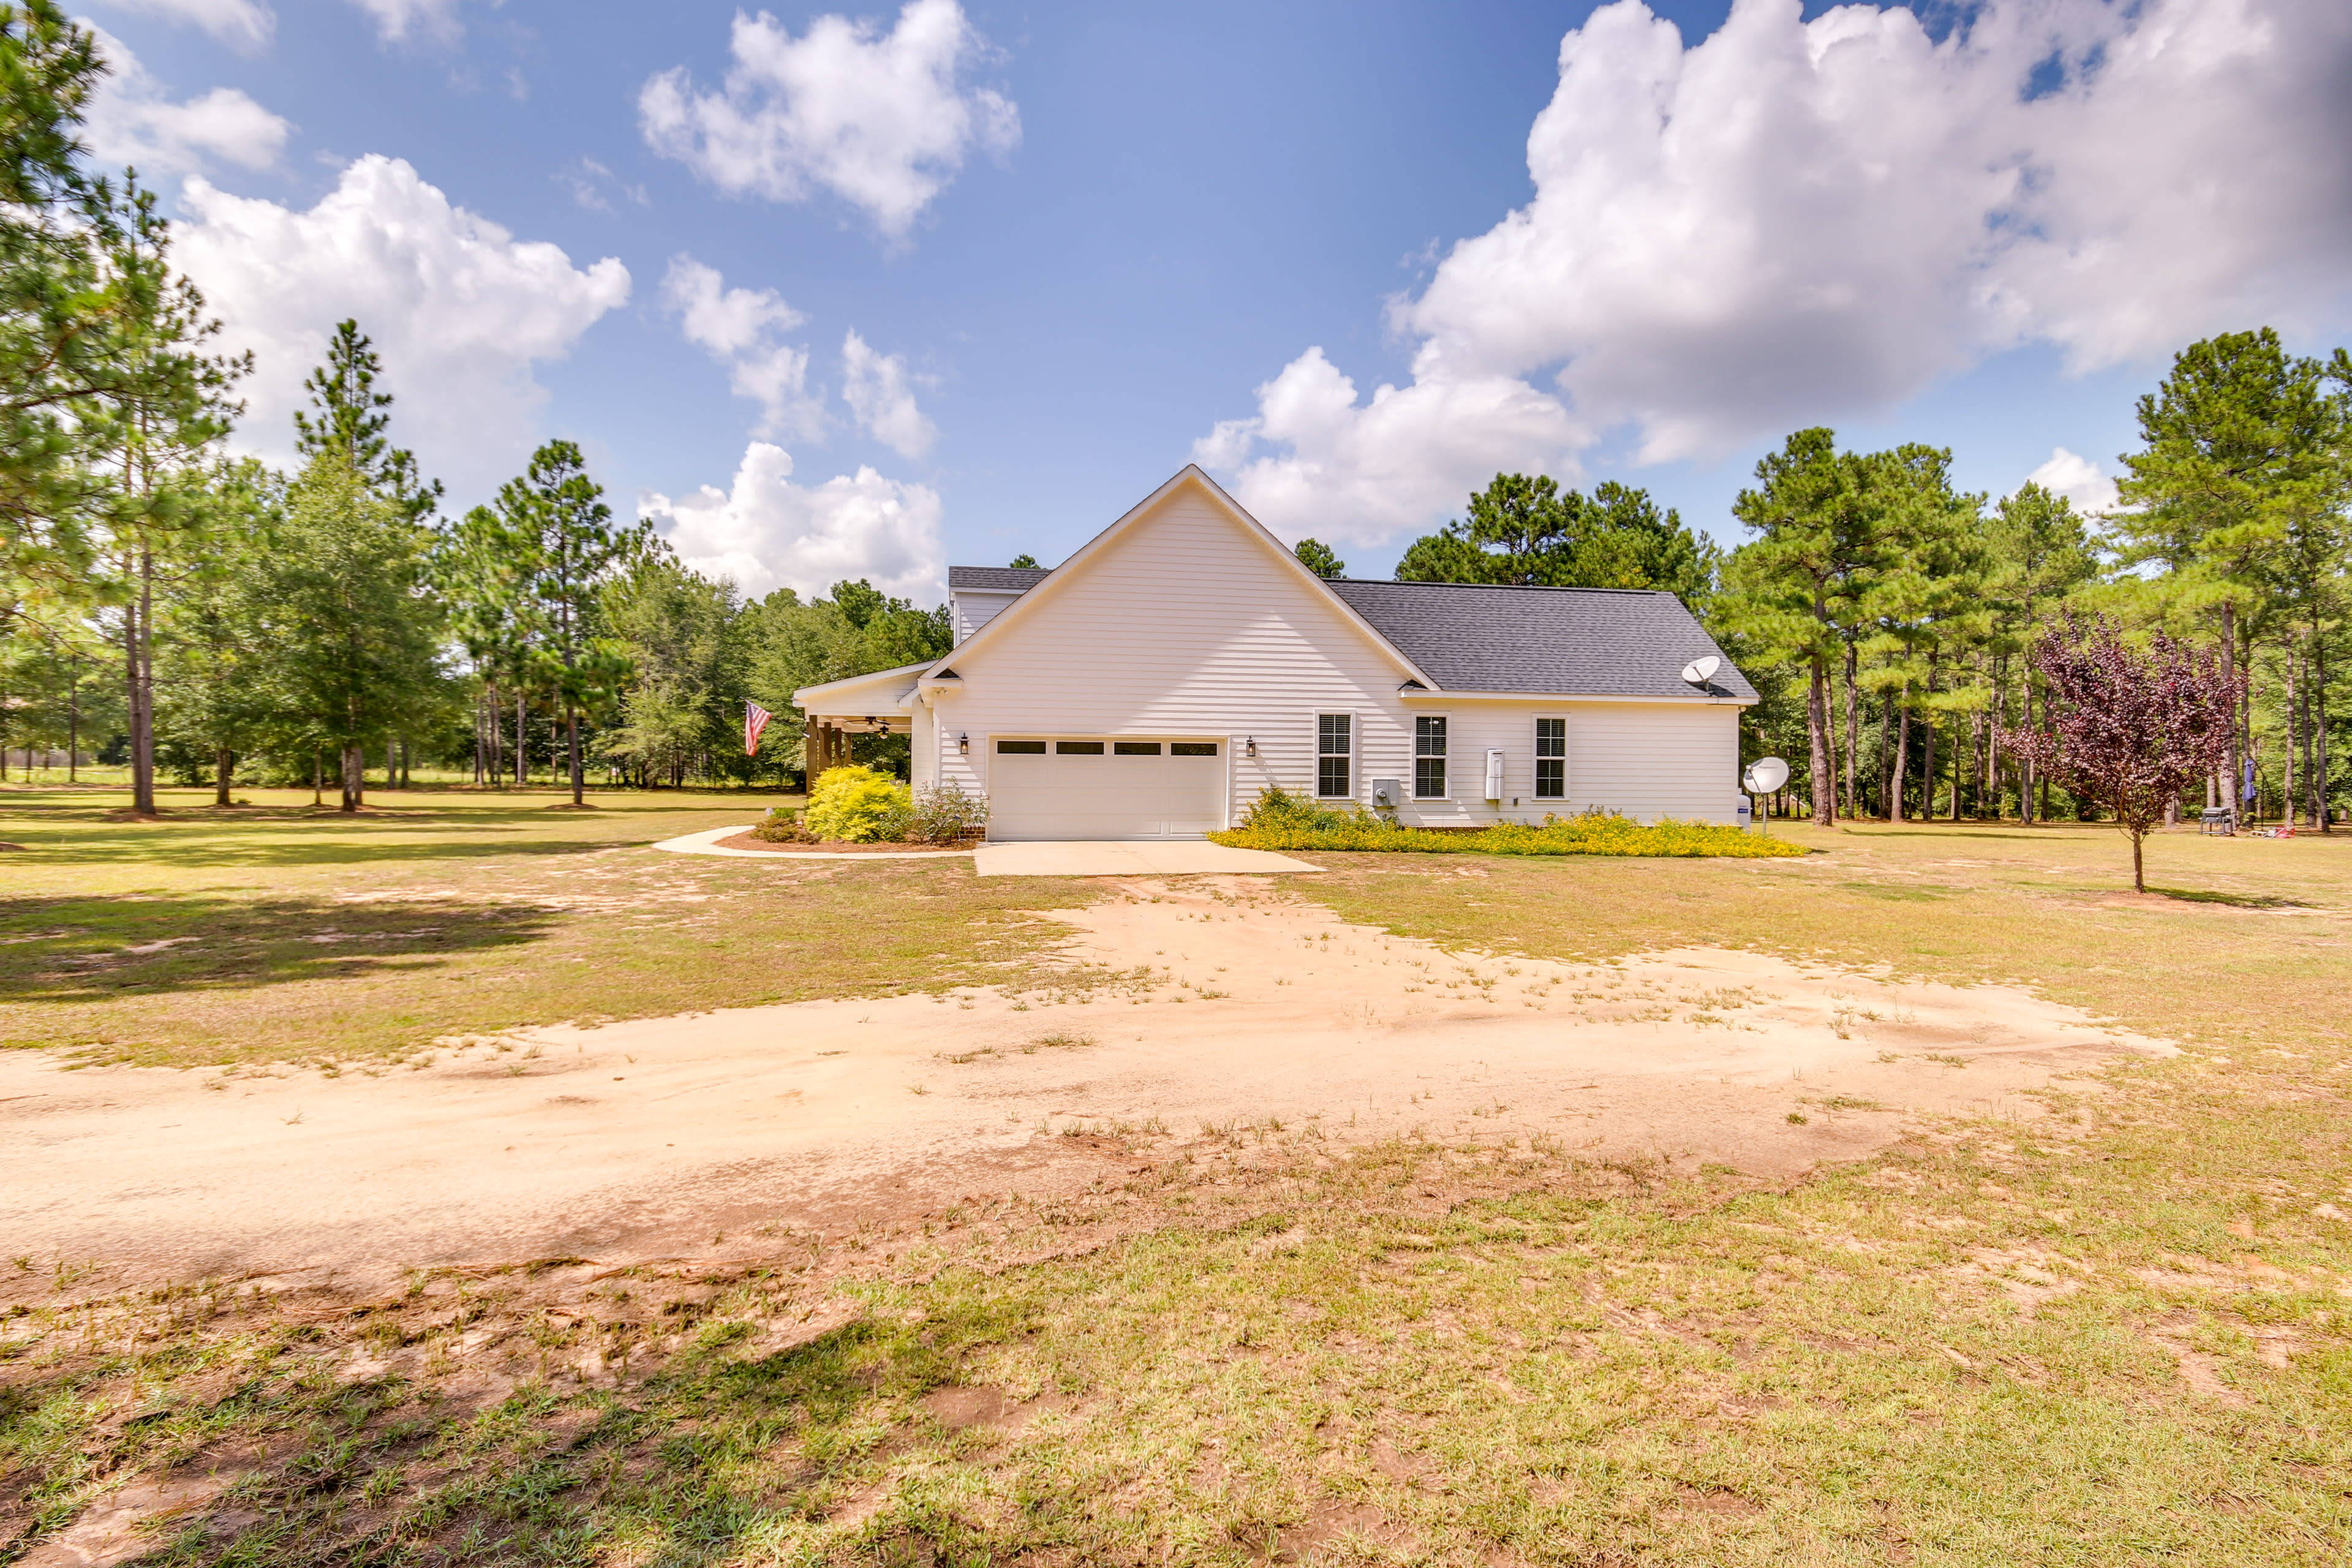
<point x="2130" y="728"/>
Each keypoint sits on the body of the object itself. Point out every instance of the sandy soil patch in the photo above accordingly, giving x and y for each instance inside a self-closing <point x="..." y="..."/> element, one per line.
<point x="1191" y="1006"/>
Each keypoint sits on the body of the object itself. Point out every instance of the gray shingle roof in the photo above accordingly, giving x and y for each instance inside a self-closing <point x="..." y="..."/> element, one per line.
<point x="1590" y="642"/>
<point x="995" y="579"/>
<point x="1594" y="642"/>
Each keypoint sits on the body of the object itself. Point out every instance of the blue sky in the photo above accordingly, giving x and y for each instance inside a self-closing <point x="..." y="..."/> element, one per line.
<point x="1074" y="243"/>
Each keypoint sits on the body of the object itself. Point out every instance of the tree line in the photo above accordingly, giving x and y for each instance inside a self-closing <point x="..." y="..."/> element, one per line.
<point x="1886" y="617"/>
<point x="173" y="609"/>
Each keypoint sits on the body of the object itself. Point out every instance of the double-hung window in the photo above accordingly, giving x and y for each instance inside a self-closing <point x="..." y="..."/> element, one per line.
<point x="1429" y="758"/>
<point x="1551" y="759"/>
<point x="1335" y="755"/>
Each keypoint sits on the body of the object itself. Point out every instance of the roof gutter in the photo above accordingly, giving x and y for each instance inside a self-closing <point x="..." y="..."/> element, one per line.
<point x="1416" y="694"/>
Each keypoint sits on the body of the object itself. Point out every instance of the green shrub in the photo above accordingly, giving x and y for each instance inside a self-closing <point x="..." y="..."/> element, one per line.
<point x="782" y="826"/>
<point x="1281" y="821"/>
<point x="944" y="813"/>
<point x="1277" y="810"/>
<point x="858" y="805"/>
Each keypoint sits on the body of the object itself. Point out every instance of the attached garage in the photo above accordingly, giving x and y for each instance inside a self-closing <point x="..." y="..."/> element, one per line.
<point x="1125" y="786"/>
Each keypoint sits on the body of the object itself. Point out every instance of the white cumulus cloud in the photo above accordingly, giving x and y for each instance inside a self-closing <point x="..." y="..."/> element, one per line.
<point x="882" y="119"/>
<point x="1359" y="471"/>
<point x="767" y="533"/>
<point x="2078" y="478"/>
<point x="461" y="311"/>
<point x="243" y="24"/>
<point x="876" y="388"/>
<point x="741" y="328"/>
<point x="397" y="21"/>
<point x="1790" y="222"/>
<point x="133" y="122"/>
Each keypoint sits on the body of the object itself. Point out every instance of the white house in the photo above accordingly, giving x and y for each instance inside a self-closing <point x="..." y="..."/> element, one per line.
<point x="1155" y="683"/>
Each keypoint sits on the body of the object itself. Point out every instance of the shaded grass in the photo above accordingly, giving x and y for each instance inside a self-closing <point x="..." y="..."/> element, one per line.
<point x="459" y="914"/>
<point x="2119" y="1333"/>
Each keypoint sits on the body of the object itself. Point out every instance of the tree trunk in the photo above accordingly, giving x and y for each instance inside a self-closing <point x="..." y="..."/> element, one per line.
<point x="1928" y="766"/>
<point x="2139" y="880"/>
<point x="572" y="748"/>
<point x="1993" y="745"/>
<point x="2319" y="737"/>
<point x="391" y="764"/>
<point x="522" y="768"/>
<point x="1817" y="739"/>
<point x="1852" y="733"/>
<point x="2230" y="662"/>
<point x="2026" y="781"/>
<point x="355" y="777"/>
<point x="223" y="761"/>
<point x="318" y="779"/>
<point x="139" y="692"/>
<point x="1898" y="713"/>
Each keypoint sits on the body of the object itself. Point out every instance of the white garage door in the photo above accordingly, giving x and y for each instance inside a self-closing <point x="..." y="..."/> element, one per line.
<point x="1107" y="788"/>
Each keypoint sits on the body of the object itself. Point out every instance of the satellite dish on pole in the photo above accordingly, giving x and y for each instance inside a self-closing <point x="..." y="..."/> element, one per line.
<point x="1765" y="776"/>
<point x="1699" y="671"/>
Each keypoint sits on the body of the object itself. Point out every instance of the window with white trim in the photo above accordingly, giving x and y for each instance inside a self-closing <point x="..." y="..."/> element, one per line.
<point x="1428" y="758"/>
<point x="1551" y="759"/>
<point x="1335" y="755"/>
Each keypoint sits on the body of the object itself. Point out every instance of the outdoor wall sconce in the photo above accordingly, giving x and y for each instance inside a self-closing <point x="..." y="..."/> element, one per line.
<point x="1249" y="745"/>
<point x="963" y="745"/>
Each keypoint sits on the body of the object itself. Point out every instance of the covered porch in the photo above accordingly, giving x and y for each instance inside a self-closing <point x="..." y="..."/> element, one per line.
<point x="832" y="714"/>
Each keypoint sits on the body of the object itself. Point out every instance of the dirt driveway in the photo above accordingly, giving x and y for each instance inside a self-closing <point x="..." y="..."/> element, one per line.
<point x="1199" y="1006"/>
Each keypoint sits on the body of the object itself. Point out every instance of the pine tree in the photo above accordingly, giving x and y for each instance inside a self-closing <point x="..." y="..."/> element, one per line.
<point x="1319" y="558"/>
<point x="356" y="638"/>
<point x="1796" y="590"/>
<point x="145" y="441"/>
<point x="350" y="419"/>
<point x="55" y="307"/>
<point x="566" y="549"/>
<point x="2239" y="432"/>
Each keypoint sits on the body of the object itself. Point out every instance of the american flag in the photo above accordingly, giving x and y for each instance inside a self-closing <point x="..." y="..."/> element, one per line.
<point x="755" y="719"/>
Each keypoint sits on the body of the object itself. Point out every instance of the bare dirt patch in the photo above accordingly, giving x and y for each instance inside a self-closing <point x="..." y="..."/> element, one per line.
<point x="1208" y="1009"/>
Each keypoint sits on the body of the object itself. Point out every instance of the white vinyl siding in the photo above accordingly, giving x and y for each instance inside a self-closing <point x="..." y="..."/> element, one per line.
<point x="969" y="609"/>
<point x="1190" y="624"/>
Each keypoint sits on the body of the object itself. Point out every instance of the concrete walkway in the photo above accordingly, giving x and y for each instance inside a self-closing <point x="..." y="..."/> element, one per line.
<point x="1134" y="859"/>
<point x="707" y="843"/>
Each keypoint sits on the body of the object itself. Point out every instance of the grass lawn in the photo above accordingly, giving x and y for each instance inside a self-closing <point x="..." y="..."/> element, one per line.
<point x="278" y="932"/>
<point x="2118" y="1334"/>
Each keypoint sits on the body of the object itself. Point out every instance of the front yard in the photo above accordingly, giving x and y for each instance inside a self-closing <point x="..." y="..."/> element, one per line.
<point x="2111" y="1326"/>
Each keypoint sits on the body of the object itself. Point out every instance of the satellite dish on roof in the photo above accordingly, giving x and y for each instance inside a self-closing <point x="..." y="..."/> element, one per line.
<point x="1764" y="776"/>
<point x="1699" y="671"/>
